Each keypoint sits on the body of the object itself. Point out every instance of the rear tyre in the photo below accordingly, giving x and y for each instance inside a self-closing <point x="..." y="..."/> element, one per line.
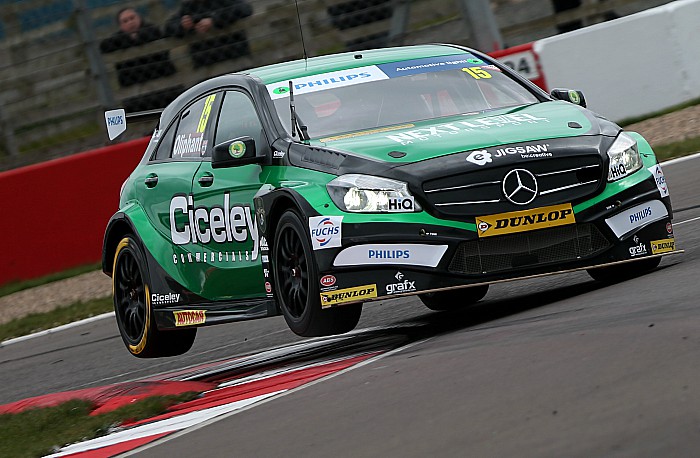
<point x="454" y="299"/>
<point x="622" y="272"/>
<point x="296" y="284"/>
<point x="132" y="306"/>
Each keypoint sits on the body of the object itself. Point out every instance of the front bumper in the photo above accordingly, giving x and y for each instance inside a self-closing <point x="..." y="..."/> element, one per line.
<point x="381" y="260"/>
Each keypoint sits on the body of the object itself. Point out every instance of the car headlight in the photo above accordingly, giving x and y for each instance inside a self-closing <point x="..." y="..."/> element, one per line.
<point x="369" y="194"/>
<point x="624" y="157"/>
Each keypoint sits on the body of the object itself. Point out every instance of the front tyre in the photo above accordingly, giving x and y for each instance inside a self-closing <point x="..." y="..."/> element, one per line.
<point x="454" y="299"/>
<point x="296" y="284"/>
<point x="132" y="306"/>
<point x="625" y="271"/>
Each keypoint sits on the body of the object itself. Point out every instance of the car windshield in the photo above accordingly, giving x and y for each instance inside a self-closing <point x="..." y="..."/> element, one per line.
<point x="396" y="93"/>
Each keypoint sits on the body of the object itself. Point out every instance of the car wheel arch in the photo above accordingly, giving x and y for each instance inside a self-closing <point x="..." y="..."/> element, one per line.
<point x="119" y="227"/>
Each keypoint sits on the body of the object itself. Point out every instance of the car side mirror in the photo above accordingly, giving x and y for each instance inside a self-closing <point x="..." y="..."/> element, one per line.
<point x="232" y="153"/>
<point x="569" y="95"/>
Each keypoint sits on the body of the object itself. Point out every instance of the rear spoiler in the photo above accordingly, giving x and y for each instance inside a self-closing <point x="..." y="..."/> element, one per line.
<point x="115" y="120"/>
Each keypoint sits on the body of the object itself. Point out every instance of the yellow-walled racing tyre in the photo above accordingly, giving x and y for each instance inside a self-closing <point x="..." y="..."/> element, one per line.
<point x="296" y="283"/>
<point x="132" y="306"/>
<point x="454" y="299"/>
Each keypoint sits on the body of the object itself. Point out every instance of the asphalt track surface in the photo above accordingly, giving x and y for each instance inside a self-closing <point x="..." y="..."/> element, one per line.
<point x="558" y="366"/>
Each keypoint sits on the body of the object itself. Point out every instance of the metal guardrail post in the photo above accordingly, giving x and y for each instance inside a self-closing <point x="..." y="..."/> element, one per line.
<point x="399" y="21"/>
<point x="486" y="35"/>
<point x="7" y="135"/>
<point x="98" y="71"/>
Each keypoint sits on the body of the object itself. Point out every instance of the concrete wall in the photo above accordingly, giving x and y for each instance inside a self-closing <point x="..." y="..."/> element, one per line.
<point x="630" y="66"/>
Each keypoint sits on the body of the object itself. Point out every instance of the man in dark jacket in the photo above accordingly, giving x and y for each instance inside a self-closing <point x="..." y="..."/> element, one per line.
<point x="132" y="32"/>
<point x="200" y="17"/>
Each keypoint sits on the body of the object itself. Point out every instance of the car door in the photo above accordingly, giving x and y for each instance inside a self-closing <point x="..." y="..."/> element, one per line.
<point x="167" y="185"/>
<point x="223" y="199"/>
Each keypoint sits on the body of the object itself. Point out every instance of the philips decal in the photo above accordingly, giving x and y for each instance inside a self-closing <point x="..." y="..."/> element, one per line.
<point x="638" y="216"/>
<point x="389" y="254"/>
<point x="326" y="231"/>
<point x="641" y="215"/>
<point x="115" y="121"/>
<point x="218" y="224"/>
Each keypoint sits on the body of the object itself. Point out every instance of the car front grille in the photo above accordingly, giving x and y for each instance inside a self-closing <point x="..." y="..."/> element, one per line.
<point x="479" y="192"/>
<point x="513" y="251"/>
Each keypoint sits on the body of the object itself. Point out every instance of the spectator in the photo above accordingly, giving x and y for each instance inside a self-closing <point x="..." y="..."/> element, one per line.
<point x="133" y="31"/>
<point x="200" y="17"/>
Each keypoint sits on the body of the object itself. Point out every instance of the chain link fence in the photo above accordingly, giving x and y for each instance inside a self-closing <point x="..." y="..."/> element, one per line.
<point x="63" y="62"/>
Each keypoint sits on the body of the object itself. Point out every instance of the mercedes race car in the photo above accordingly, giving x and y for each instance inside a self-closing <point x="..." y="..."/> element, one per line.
<point x="308" y="188"/>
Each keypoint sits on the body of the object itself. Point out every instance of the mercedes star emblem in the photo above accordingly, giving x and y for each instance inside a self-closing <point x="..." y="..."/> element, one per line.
<point x="520" y="186"/>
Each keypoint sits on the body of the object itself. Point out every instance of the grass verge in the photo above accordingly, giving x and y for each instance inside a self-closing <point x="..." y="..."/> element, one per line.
<point x="38" y="432"/>
<point x="677" y="149"/>
<point x="40" y="321"/>
<point x="13" y="287"/>
<point x="656" y="114"/>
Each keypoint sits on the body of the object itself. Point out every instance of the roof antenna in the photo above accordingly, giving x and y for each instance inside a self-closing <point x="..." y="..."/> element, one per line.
<point x="301" y="32"/>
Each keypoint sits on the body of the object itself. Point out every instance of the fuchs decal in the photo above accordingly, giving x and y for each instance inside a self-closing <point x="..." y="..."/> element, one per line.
<point x="326" y="231"/>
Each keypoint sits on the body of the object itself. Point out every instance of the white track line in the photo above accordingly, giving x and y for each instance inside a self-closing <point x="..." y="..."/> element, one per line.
<point x="57" y="329"/>
<point x="687" y="221"/>
<point x="681" y="159"/>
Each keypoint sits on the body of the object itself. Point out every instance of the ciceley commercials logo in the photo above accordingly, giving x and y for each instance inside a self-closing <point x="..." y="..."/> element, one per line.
<point x="525" y="220"/>
<point x="203" y="225"/>
<point x="170" y="298"/>
<point x="356" y="294"/>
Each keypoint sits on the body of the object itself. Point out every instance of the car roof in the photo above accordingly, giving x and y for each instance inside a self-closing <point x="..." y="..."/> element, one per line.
<point x="314" y="65"/>
<point x="342" y="61"/>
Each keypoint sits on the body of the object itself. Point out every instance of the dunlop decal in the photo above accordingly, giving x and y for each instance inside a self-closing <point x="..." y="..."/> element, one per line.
<point x="525" y="220"/>
<point x="190" y="317"/>
<point x="663" y="246"/>
<point x="355" y="294"/>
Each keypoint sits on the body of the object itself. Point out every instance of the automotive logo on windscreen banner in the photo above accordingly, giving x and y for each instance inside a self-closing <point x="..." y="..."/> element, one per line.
<point x="525" y="220"/>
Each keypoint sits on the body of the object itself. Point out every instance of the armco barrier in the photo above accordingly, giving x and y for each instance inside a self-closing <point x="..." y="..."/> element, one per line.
<point x="631" y="66"/>
<point x="54" y="214"/>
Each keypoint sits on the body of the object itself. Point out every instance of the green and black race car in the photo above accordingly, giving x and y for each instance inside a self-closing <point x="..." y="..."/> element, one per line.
<point x="309" y="187"/>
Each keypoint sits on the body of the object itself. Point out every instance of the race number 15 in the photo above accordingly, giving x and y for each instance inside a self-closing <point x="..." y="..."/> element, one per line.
<point x="477" y="73"/>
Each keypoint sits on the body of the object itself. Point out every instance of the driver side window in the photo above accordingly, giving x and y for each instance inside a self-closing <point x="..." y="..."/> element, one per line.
<point x="238" y="118"/>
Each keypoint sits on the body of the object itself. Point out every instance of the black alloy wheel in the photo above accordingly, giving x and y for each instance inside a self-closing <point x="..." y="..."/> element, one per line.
<point x="133" y="307"/>
<point x="297" y="284"/>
